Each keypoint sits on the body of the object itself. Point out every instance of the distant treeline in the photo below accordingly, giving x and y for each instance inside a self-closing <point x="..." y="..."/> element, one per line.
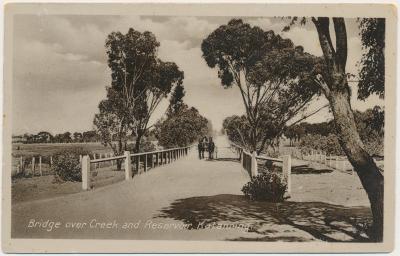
<point x="66" y="137"/>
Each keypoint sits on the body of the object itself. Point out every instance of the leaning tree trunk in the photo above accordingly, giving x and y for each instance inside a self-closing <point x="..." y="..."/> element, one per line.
<point x="369" y="174"/>
<point x="337" y="91"/>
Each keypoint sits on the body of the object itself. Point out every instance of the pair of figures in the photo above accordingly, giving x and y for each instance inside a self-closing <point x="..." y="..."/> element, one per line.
<point x="206" y="145"/>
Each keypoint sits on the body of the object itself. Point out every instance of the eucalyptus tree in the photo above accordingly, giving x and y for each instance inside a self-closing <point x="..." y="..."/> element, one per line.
<point x="142" y="79"/>
<point x="332" y="78"/>
<point x="113" y="123"/>
<point x="271" y="74"/>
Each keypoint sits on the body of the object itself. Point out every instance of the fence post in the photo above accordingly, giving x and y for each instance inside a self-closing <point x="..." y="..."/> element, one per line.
<point x="287" y="172"/>
<point x="85" y="172"/>
<point x="128" y="166"/>
<point x="157" y="159"/>
<point x="254" y="166"/>
<point x="21" y="164"/>
<point x="152" y="160"/>
<point x="336" y="163"/>
<point x="40" y="165"/>
<point x="33" y="166"/>
<point x="145" y="163"/>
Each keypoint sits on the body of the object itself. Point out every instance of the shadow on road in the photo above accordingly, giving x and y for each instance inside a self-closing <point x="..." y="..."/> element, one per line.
<point x="305" y="169"/>
<point x="326" y="222"/>
<point x="230" y="159"/>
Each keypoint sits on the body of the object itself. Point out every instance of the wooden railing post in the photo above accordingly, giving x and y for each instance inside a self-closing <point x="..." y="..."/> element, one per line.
<point x="152" y="160"/>
<point x="128" y="166"/>
<point x="21" y="165"/>
<point x="254" y="171"/>
<point x="40" y="165"/>
<point x="287" y="170"/>
<point x="33" y="166"/>
<point x="85" y="172"/>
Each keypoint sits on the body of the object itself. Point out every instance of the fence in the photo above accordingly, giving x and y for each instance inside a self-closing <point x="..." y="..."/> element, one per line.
<point x="340" y="163"/>
<point x="35" y="165"/>
<point x="249" y="162"/>
<point x="41" y="165"/>
<point x="146" y="160"/>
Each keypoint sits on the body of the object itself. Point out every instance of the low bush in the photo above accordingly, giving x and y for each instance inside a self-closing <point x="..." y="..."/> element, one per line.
<point x="66" y="165"/>
<point x="265" y="186"/>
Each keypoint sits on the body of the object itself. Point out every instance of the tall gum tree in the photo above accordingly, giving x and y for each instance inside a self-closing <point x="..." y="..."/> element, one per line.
<point x="269" y="72"/>
<point x="334" y="83"/>
<point x="141" y="78"/>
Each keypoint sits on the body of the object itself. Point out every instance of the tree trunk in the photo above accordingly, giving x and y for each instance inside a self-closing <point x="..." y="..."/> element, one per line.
<point x="371" y="178"/>
<point x="137" y="143"/>
<point x="119" y="164"/>
<point x="337" y="91"/>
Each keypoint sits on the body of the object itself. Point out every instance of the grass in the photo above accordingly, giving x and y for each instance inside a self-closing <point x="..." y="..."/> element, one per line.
<point x="44" y="187"/>
<point x="48" y="149"/>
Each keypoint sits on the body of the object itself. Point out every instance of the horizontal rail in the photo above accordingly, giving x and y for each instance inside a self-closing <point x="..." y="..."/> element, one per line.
<point x="159" y="151"/>
<point x="270" y="159"/>
<point x="99" y="160"/>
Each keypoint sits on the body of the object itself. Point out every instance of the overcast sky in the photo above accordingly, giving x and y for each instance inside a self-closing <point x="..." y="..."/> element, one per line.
<point x="60" y="69"/>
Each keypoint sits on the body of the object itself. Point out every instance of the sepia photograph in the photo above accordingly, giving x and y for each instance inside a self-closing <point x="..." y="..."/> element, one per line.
<point x="149" y="123"/>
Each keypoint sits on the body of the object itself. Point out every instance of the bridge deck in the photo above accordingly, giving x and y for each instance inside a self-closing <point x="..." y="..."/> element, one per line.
<point x="141" y="199"/>
<point x="196" y="193"/>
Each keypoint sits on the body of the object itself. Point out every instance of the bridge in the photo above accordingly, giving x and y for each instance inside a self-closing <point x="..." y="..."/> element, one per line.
<point x="187" y="199"/>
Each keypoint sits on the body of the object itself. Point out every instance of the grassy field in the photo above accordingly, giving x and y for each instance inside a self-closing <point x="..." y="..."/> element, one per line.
<point x="43" y="187"/>
<point x="48" y="149"/>
<point x="46" y="186"/>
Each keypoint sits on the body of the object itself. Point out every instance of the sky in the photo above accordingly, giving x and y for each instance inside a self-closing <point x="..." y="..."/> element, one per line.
<point x="60" y="67"/>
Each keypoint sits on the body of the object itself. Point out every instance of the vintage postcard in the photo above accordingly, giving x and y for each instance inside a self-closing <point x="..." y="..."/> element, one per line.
<point x="199" y="127"/>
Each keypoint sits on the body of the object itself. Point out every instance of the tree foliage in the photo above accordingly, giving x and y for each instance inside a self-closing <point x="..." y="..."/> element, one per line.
<point x="272" y="75"/>
<point x="142" y="79"/>
<point x="372" y="72"/>
<point x="182" y="128"/>
<point x="176" y="100"/>
<point x="113" y="122"/>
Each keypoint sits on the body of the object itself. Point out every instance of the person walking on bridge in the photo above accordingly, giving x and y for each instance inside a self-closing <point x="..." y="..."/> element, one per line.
<point x="211" y="148"/>
<point x="200" y="148"/>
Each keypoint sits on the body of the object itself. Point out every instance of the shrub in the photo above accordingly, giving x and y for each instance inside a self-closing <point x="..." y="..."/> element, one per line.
<point x="265" y="187"/>
<point x="66" y="165"/>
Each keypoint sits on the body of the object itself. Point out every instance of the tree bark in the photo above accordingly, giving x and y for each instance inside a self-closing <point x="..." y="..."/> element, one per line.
<point x="337" y="91"/>
<point x="137" y="143"/>
<point x="371" y="178"/>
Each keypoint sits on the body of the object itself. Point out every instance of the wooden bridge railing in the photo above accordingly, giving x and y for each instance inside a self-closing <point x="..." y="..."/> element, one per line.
<point x="250" y="165"/>
<point x="161" y="157"/>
